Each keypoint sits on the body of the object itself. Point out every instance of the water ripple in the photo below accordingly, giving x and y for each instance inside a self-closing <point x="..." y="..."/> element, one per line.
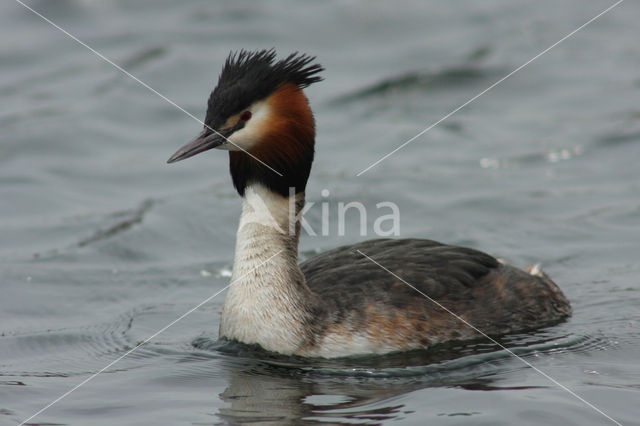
<point x="442" y="362"/>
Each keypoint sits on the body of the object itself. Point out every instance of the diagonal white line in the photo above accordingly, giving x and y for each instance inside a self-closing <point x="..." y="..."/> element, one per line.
<point x="496" y="342"/>
<point x="144" y="342"/>
<point x="127" y="73"/>
<point x="490" y="87"/>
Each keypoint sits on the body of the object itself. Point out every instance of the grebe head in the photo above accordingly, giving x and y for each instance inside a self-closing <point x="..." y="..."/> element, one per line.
<point x="259" y="113"/>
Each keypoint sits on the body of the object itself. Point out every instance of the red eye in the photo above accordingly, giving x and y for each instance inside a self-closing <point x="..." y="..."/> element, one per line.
<point x="245" y="116"/>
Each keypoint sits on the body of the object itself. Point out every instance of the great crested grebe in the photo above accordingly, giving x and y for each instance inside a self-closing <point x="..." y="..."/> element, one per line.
<point x="339" y="303"/>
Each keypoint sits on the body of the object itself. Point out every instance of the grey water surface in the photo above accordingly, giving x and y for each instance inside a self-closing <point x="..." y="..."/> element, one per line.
<point x="102" y="244"/>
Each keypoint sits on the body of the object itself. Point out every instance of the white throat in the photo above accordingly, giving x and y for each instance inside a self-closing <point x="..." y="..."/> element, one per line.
<point x="268" y="299"/>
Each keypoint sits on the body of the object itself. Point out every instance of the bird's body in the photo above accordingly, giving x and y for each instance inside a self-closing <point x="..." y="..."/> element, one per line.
<point x="377" y="296"/>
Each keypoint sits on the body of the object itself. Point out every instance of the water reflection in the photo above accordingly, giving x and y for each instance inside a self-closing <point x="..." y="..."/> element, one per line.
<point x="272" y="395"/>
<point x="267" y="389"/>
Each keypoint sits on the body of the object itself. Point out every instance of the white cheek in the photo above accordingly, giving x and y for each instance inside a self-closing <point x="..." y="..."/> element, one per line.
<point x="247" y="137"/>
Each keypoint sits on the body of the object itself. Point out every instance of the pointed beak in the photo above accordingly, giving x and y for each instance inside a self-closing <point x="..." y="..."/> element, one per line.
<point x="203" y="142"/>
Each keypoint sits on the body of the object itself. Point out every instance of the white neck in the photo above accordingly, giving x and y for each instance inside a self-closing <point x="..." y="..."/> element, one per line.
<point x="268" y="300"/>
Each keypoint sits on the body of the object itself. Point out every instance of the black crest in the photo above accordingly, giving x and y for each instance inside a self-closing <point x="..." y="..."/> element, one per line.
<point x="249" y="76"/>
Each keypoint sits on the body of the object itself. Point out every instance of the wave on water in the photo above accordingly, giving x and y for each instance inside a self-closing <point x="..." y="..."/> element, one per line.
<point x="469" y="72"/>
<point x="442" y="361"/>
